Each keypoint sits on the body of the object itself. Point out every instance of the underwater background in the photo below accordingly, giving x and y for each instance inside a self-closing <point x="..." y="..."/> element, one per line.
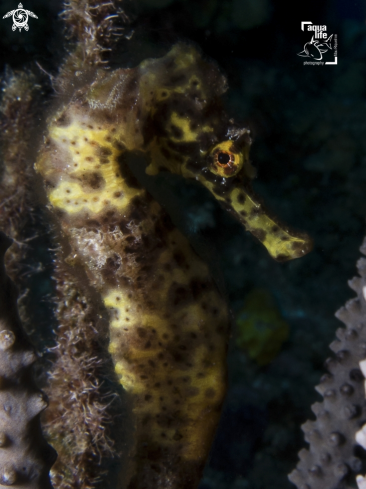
<point x="308" y="125"/>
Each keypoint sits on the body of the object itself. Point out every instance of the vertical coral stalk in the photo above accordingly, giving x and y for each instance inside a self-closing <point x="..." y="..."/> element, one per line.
<point x="333" y="458"/>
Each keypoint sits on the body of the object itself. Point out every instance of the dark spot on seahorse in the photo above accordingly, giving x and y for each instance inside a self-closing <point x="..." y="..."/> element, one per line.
<point x="221" y="329"/>
<point x="60" y="213"/>
<point x="241" y="198"/>
<point x="179" y="295"/>
<point x="118" y="145"/>
<point x="93" y="180"/>
<point x="109" y="277"/>
<point x="63" y="121"/>
<point x="103" y="153"/>
<point x="146" y="269"/>
<point x="123" y="225"/>
<point x="92" y="223"/>
<point x="112" y="263"/>
<point x="148" y="242"/>
<point x="175" y="354"/>
<point x="193" y="126"/>
<point x="180" y="259"/>
<point x="255" y="212"/>
<point x="166" y="153"/>
<point x="176" y="131"/>
<point x="129" y="249"/>
<point x="177" y="79"/>
<point x="198" y="287"/>
<point x="297" y="245"/>
<point x="141" y="332"/>
<point x="138" y="209"/>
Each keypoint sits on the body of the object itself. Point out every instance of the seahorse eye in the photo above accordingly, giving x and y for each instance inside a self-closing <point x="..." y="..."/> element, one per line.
<point x="224" y="161"/>
<point x="224" y="158"/>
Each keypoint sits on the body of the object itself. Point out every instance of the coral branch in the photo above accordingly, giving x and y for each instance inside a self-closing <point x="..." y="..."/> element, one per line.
<point x="333" y="458"/>
<point x="25" y="457"/>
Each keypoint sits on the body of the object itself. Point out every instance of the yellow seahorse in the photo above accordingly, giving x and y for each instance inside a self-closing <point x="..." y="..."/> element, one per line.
<point x="168" y="323"/>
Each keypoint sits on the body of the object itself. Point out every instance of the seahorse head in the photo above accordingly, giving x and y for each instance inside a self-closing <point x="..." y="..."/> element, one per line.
<point x="171" y="110"/>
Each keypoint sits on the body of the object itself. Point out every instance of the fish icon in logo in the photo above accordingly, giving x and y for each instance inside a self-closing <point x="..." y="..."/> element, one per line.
<point x="20" y="18"/>
<point x="315" y="48"/>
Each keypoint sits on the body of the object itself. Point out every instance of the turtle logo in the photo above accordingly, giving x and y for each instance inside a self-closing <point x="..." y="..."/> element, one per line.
<point x="316" y="48"/>
<point x="20" y="18"/>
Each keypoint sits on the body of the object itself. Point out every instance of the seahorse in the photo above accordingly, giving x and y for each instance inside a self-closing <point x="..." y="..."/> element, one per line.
<point x="168" y="323"/>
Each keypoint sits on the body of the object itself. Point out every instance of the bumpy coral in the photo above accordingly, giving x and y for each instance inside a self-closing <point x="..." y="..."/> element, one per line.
<point x="25" y="457"/>
<point x="334" y="458"/>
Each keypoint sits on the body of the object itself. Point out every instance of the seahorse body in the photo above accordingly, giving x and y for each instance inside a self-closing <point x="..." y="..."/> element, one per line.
<point x="168" y="323"/>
